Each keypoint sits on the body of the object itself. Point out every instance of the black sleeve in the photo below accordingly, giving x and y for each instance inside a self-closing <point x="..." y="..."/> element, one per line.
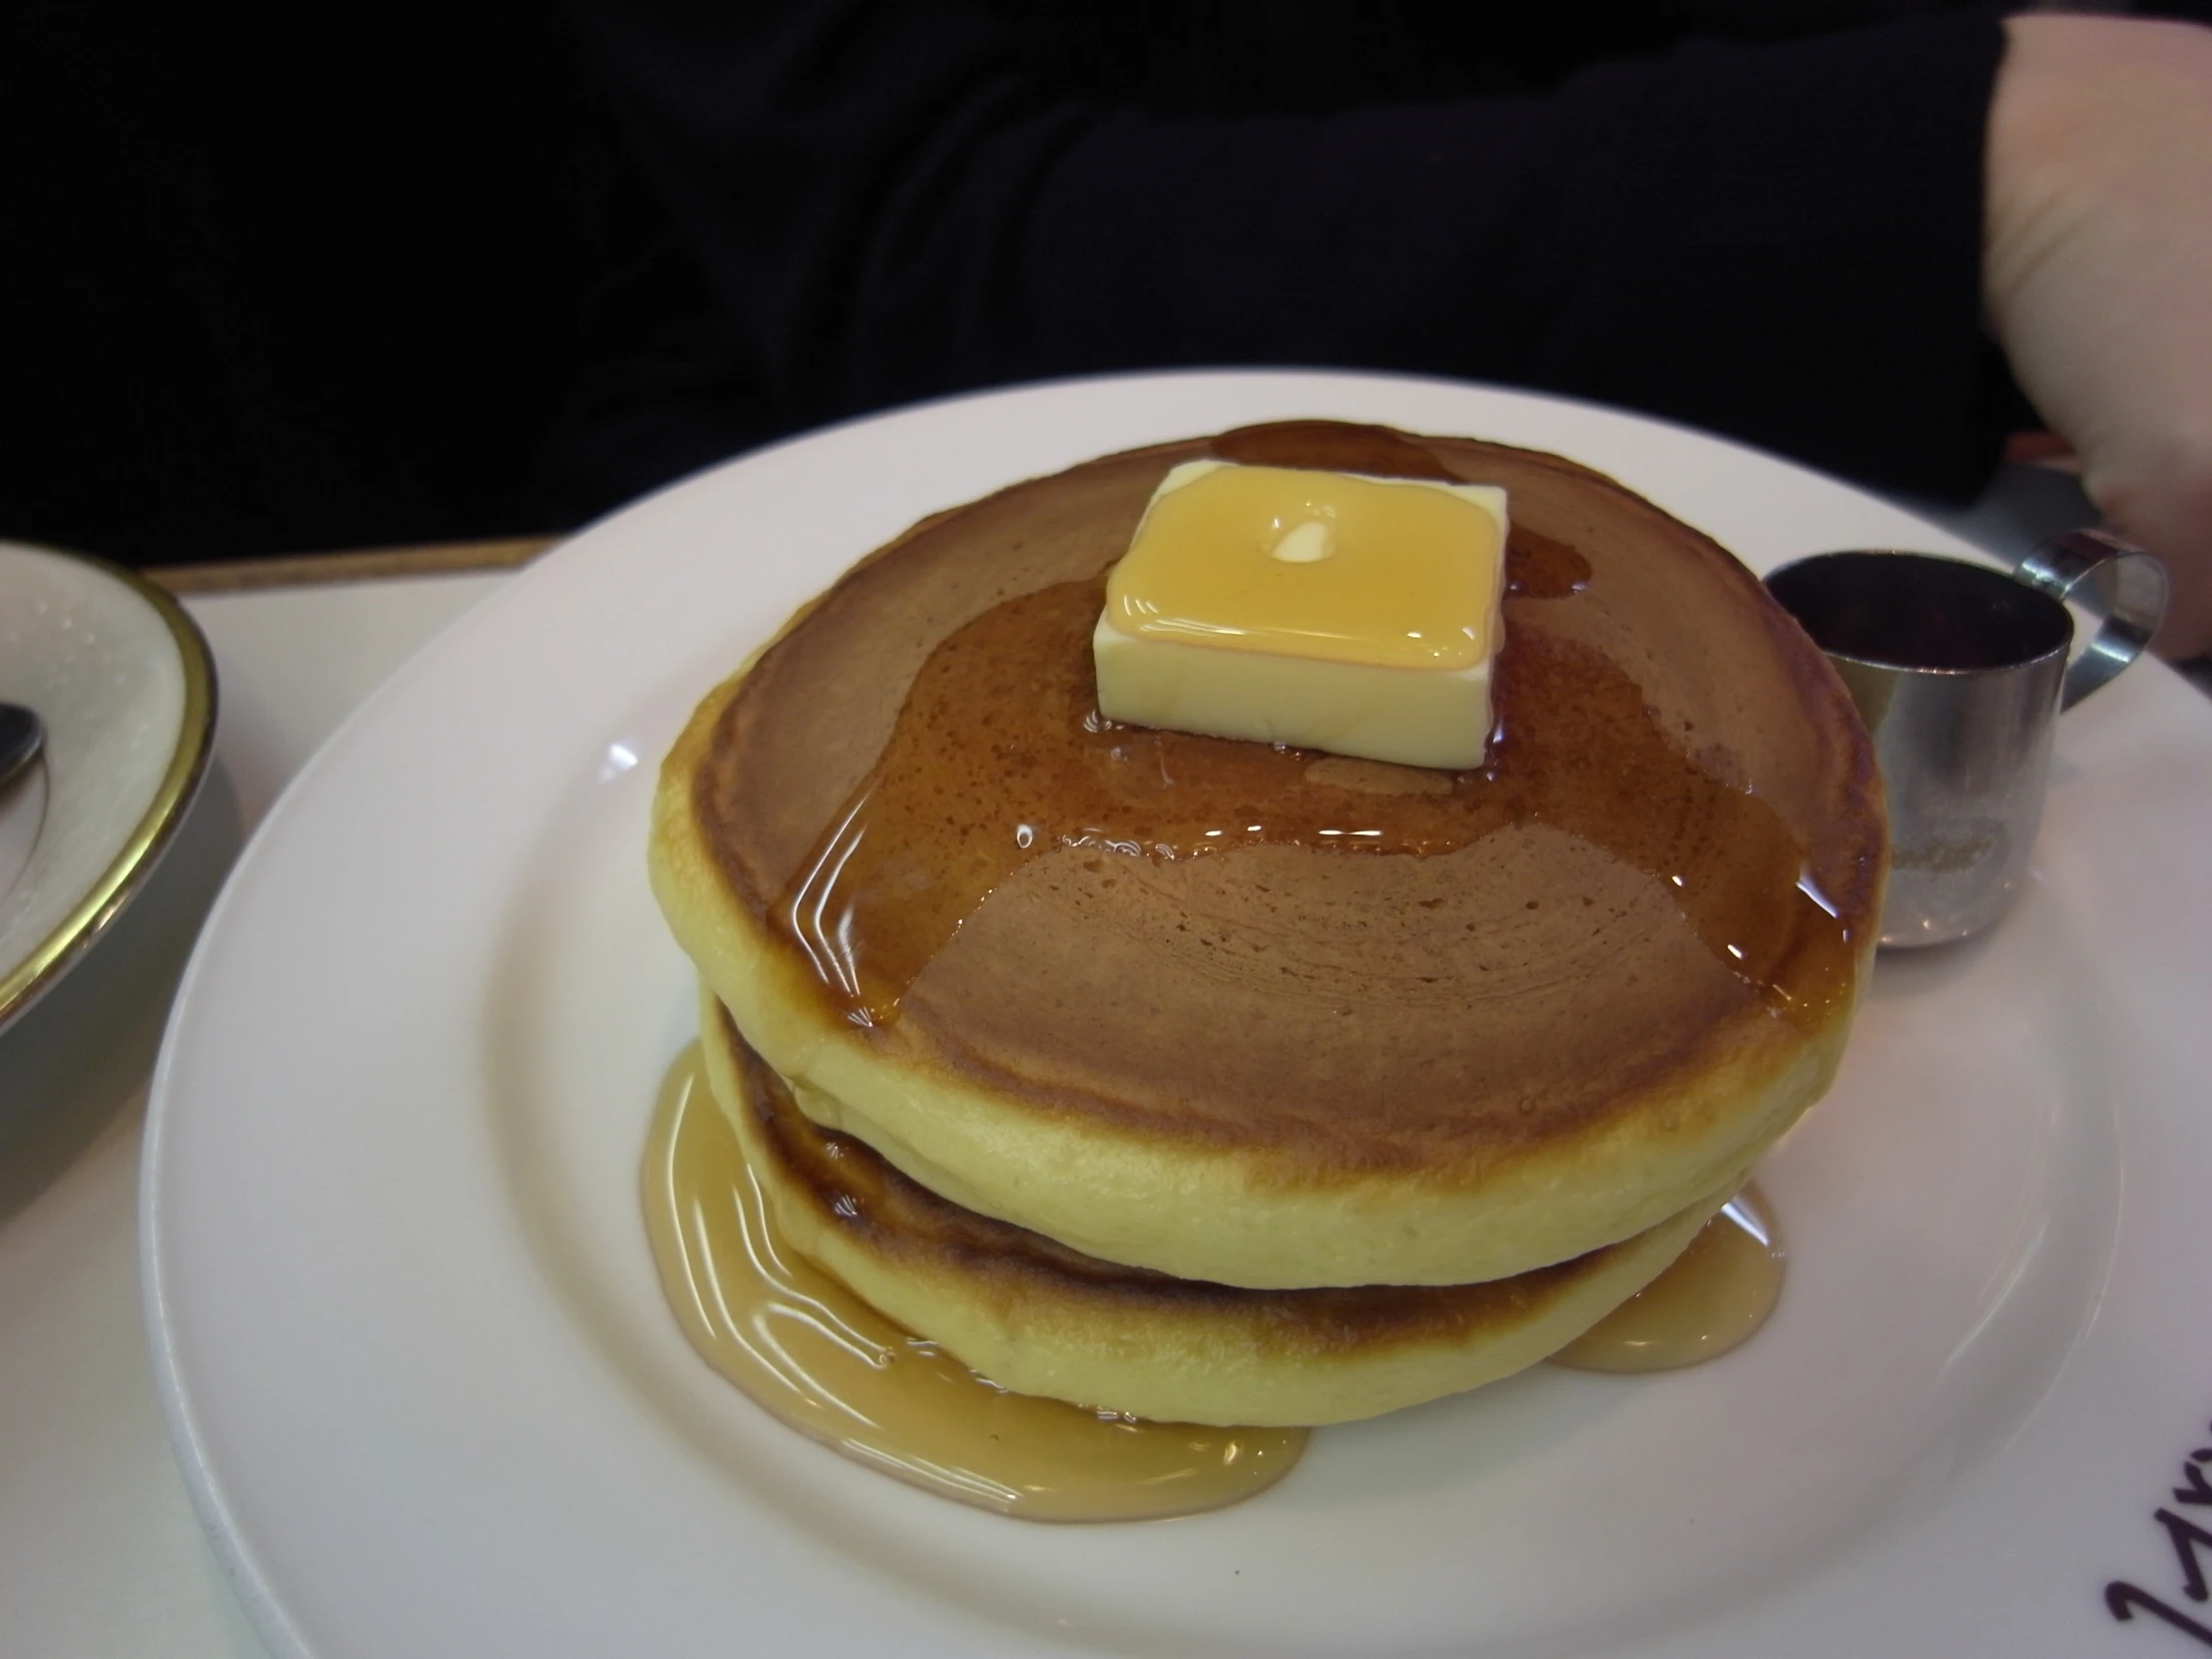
<point x="1781" y="242"/>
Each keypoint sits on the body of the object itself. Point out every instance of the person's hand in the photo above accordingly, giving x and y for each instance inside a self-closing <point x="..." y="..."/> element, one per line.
<point x="2097" y="272"/>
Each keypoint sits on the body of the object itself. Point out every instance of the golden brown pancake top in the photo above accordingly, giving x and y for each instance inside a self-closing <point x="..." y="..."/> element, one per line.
<point x="1665" y="867"/>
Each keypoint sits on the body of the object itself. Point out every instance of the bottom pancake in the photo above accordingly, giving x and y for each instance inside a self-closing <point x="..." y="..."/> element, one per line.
<point x="1038" y="1317"/>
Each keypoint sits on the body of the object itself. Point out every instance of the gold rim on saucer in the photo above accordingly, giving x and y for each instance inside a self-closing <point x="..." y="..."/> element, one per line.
<point x="25" y="983"/>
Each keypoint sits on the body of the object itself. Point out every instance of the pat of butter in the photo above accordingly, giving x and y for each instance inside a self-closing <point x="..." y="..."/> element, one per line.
<point x="1328" y="610"/>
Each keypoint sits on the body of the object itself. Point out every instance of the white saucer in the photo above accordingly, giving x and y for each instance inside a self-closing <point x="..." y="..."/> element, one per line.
<point x="430" y="1401"/>
<point x="125" y="686"/>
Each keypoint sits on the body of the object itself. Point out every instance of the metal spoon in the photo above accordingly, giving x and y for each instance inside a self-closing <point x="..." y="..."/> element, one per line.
<point x="22" y="735"/>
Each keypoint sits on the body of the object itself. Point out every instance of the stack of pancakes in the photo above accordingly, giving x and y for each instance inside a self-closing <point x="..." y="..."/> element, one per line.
<point x="1120" y="1065"/>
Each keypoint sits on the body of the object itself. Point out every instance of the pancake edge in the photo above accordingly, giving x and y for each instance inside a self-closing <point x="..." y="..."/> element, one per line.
<point x="1253" y="1362"/>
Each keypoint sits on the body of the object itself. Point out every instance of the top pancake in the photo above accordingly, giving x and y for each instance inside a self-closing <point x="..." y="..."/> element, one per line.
<point x="1542" y="1008"/>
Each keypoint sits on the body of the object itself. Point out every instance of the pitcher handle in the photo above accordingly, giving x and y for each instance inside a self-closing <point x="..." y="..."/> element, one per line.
<point x="2126" y="590"/>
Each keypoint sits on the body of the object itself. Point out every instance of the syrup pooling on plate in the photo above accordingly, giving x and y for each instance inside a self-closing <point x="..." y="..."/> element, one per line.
<point x="818" y="1357"/>
<point x="1714" y="1296"/>
<point x="998" y="756"/>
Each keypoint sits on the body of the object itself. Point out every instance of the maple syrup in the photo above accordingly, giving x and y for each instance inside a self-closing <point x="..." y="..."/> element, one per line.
<point x="1713" y="1297"/>
<point x="811" y="1351"/>
<point x="999" y="755"/>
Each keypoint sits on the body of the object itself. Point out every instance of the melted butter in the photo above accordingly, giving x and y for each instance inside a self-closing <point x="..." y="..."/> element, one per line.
<point x="1318" y="565"/>
<point x="818" y="1357"/>
<point x="1715" y="1296"/>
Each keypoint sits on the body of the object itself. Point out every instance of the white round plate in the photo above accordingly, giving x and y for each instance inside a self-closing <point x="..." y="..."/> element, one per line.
<point x="430" y="1402"/>
<point x="122" y="682"/>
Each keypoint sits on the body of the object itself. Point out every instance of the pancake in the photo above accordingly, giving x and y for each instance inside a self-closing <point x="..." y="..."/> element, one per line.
<point x="1262" y="1018"/>
<point x="1039" y="1319"/>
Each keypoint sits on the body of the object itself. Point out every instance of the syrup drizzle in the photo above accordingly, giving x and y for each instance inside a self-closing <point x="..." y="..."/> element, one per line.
<point x="1713" y="1298"/>
<point x="1538" y="567"/>
<point x="802" y="1346"/>
<point x="999" y="755"/>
